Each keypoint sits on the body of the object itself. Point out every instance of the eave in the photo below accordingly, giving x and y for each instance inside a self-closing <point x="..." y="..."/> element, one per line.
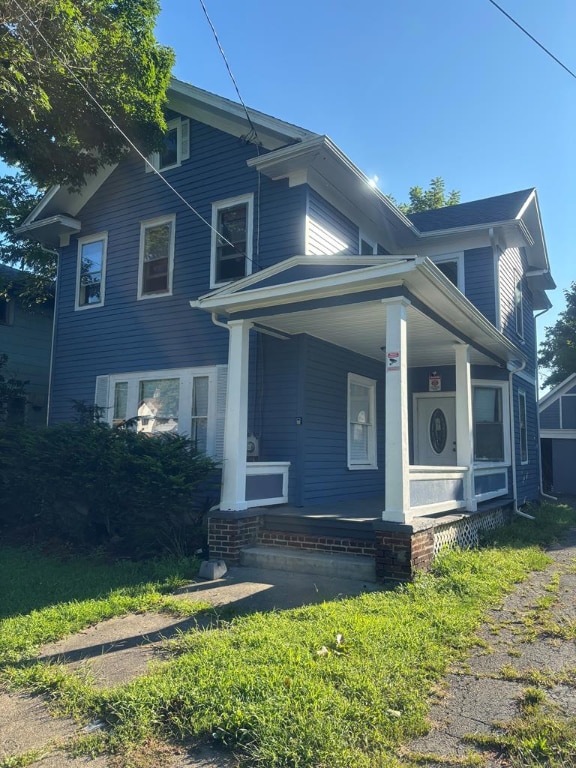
<point x="50" y="231"/>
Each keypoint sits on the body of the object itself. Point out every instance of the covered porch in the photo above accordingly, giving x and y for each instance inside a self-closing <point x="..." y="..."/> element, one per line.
<point x="405" y="316"/>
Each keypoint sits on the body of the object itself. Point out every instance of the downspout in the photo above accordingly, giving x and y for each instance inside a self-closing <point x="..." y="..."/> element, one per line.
<point x="545" y="495"/>
<point x="513" y="437"/>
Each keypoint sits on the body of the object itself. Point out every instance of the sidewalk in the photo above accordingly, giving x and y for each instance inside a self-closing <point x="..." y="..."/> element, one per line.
<point x="481" y="691"/>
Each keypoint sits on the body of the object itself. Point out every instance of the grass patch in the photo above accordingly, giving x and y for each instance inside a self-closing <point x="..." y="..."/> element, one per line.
<point x="338" y="685"/>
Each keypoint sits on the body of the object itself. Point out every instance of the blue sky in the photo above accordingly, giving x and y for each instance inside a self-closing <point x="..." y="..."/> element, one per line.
<point x="409" y="90"/>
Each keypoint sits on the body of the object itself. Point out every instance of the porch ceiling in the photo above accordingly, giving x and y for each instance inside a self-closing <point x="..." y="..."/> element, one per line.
<point x="362" y="329"/>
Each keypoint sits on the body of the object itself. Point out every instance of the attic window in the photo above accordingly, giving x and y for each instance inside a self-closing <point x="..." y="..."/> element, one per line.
<point x="176" y="147"/>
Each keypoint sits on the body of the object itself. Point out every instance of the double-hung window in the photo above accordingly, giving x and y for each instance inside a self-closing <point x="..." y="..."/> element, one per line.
<point x="181" y="401"/>
<point x="176" y="147"/>
<point x="518" y="304"/>
<point x="232" y="224"/>
<point x="91" y="270"/>
<point x="488" y="414"/>
<point x="523" y="427"/>
<point x="156" y="257"/>
<point x="361" y="422"/>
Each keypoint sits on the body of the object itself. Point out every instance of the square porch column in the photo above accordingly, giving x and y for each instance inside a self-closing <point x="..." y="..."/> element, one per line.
<point x="233" y="496"/>
<point x="396" y="431"/>
<point x="464" y="422"/>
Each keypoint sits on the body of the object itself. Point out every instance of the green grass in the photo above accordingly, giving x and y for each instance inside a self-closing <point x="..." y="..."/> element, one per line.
<point x="339" y="685"/>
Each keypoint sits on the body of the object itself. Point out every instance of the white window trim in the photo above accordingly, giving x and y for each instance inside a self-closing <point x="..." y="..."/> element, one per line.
<point x="81" y="242"/>
<point x="186" y="377"/>
<point x="148" y="224"/>
<point x="354" y="378"/>
<point x="503" y="385"/>
<point x="182" y="127"/>
<point x="519" y="285"/>
<point x="458" y="257"/>
<point x="523" y="408"/>
<point x="221" y="205"/>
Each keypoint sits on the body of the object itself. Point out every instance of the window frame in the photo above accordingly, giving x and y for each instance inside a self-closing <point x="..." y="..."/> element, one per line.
<point x="458" y="257"/>
<point x="518" y="303"/>
<point x="82" y="241"/>
<point x="372" y="457"/>
<point x="186" y="377"/>
<point x="222" y="205"/>
<point x="507" y="460"/>
<point x="523" y="425"/>
<point x="182" y="127"/>
<point x="144" y="226"/>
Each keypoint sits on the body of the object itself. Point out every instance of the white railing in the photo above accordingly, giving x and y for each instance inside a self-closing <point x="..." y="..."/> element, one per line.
<point x="266" y="483"/>
<point x="436" y="489"/>
<point x="490" y="482"/>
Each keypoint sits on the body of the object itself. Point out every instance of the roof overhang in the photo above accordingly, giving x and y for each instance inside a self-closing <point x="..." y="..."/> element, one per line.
<point x="556" y="392"/>
<point x="50" y="231"/>
<point x="347" y="308"/>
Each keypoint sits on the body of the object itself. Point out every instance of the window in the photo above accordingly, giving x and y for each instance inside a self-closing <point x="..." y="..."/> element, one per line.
<point x="361" y="422"/>
<point x="232" y="239"/>
<point x="523" y="427"/>
<point x="176" y="146"/>
<point x="488" y="424"/>
<point x="179" y="401"/>
<point x="156" y="257"/>
<point x="452" y="267"/>
<point x="518" y="304"/>
<point x="6" y="312"/>
<point x="91" y="271"/>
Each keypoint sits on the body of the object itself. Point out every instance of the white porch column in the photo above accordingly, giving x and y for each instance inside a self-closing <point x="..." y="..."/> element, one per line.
<point x="397" y="449"/>
<point x="464" y="423"/>
<point x="233" y="495"/>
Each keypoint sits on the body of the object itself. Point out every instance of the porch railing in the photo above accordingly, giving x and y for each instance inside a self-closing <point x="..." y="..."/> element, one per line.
<point x="436" y="489"/>
<point x="267" y="483"/>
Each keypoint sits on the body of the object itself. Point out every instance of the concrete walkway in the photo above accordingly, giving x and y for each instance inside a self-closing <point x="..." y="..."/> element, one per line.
<point x="476" y="694"/>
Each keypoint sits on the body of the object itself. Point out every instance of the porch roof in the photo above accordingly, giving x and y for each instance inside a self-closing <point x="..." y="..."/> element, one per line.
<point x="342" y="301"/>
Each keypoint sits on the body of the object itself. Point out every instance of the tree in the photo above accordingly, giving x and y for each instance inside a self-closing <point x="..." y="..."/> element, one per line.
<point x="558" y="350"/>
<point x="425" y="199"/>
<point x="35" y="285"/>
<point x="49" y="125"/>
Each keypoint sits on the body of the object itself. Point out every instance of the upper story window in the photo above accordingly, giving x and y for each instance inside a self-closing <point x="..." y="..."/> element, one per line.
<point x="523" y="427"/>
<point x="518" y="304"/>
<point x="6" y="312"/>
<point x="231" y="257"/>
<point x="156" y="257"/>
<point x="452" y="266"/>
<point x="91" y="271"/>
<point x="176" y="146"/>
<point x="361" y="422"/>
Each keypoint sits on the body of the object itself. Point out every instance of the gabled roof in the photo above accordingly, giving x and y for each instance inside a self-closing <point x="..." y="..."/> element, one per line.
<point x="556" y="392"/>
<point x="490" y="210"/>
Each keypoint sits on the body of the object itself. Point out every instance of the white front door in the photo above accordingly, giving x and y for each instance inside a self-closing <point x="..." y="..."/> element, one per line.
<point x="435" y="430"/>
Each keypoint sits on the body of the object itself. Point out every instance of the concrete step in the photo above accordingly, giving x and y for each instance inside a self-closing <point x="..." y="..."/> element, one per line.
<point x="358" y="567"/>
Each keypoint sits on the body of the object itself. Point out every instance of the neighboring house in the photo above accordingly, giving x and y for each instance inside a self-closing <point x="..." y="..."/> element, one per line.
<point x="558" y="437"/>
<point x="366" y="355"/>
<point x="26" y="337"/>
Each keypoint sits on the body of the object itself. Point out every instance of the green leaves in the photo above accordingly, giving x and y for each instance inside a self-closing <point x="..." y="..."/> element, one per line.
<point x="558" y="350"/>
<point x="426" y="199"/>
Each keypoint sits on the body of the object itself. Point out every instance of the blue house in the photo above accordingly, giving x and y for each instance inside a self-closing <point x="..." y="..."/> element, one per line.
<point x="558" y="437"/>
<point x="350" y="366"/>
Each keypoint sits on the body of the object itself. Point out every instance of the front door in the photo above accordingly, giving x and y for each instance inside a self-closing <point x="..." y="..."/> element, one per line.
<point x="435" y="430"/>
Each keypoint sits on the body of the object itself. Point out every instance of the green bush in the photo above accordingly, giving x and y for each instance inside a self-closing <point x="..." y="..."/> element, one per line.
<point x="93" y="485"/>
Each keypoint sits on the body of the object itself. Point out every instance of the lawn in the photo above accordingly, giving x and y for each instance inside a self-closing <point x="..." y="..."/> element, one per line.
<point x="339" y="685"/>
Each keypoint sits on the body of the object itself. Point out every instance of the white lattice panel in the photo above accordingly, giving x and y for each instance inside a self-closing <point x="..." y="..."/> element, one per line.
<point x="465" y="533"/>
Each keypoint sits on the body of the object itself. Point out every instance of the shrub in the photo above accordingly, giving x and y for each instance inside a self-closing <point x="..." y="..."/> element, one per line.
<point x="91" y="484"/>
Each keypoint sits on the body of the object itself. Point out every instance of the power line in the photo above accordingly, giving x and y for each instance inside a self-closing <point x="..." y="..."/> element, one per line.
<point x="122" y="133"/>
<point x="538" y="43"/>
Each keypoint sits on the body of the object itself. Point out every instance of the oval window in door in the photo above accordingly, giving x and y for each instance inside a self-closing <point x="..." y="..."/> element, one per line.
<point x="438" y="431"/>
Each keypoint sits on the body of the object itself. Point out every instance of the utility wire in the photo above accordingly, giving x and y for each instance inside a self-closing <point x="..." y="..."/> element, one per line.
<point x="539" y="44"/>
<point x="122" y="133"/>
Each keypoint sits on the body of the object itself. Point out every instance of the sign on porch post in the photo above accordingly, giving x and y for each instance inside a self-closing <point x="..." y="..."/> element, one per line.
<point x="397" y="457"/>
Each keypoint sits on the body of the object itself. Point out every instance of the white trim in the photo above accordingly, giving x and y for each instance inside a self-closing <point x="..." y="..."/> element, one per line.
<point x="415" y="437"/>
<point x="558" y="434"/>
<point x="144" y="226"/>
<point x="82" y="241"/>
<point x="518" y="305"/>
<point x="221" y="205"/>
<point x="441" y="506"/>
<point x="483" y="471"/>
<point x="506" y="424"/>
<point x="372" y="458"/>
<point x="182" y="128"/>
<point x="458" y="257"/>
<point x="496" y="253"/>
<point x="259" y="468"/>
<point x="523" y="409"/>
<point x="557" y="392"/>
<point x="362" y="236"/>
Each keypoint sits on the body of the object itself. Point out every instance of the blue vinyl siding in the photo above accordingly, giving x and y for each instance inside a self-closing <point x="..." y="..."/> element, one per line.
<point x="568" y="412"/>
<point x="329" y="231"/>
<point x="563" y="462"/>
<point x="479" y="281"/>
<point x="512" y="262"/>
<point x="128" y="335"/>
<point x="571" y="391"/>
<point x="550" y="416"/>
<point x="527" y="475"/>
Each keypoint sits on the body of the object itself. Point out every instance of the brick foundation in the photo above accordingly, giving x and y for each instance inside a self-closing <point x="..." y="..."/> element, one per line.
<point x="401" y="551"/>
<point x="229" y="532"/>
<point x="342" y="546"/>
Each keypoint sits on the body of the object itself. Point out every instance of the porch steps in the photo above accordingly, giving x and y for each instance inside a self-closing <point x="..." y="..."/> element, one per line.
<point x="358" y="567"/>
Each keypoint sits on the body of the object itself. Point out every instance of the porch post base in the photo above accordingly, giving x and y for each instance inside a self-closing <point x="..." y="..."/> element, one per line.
<point x="229" y="532"/>
<point x="402" y="551"/>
